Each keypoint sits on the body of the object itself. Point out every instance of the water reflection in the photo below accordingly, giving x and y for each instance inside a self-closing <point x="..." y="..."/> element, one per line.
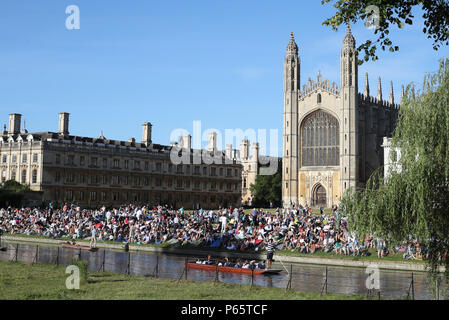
<point x="306" y="278"/>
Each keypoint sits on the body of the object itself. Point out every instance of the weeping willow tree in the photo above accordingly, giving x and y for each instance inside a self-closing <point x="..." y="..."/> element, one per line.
<point x="414" y="200"/>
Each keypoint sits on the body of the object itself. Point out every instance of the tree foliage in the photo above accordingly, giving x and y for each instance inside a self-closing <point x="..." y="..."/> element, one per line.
<point x="267" y="189"/>
<point x="414" y="200"/>
<point x="392" y="12"/>
<point x="12" y="185"/>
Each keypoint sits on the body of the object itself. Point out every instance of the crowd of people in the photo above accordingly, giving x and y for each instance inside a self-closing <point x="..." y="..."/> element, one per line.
<point x="230" y="228"/>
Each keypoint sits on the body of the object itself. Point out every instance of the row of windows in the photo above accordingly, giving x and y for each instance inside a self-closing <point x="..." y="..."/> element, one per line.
<point x="137" y="164"/>
<point x="320" y="143"/>
<point x="145" y="181"/>
<point x="127" y="196"/>
<point x="23" y="177"/>
<point x="24" y="158"/>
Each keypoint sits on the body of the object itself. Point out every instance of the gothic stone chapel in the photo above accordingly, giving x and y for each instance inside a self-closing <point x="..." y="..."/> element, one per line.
<point x="332" y="135"/>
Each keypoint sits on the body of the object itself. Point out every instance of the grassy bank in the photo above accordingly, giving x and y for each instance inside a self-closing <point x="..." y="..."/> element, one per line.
<point x="37" y="282"/>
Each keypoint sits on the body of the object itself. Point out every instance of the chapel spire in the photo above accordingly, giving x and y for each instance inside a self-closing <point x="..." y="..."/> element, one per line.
<point x="379" y="90"/>
<point x="391" y="93"/>
<point x="349" y="40"/>
<point x="292" y="47"/>
<point x="366" y="85"/>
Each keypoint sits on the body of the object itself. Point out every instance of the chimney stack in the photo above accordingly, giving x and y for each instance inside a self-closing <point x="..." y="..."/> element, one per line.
<point x="212" y="142"/>
<point x="228" y="152"/>
<point x="245" y="149"/>
<point x="146" y="134"/>
<point x="255" y="151"/>
<point x="14" y="123"/>
<point x="185" y="142"/>
<point x="63" y="123"/>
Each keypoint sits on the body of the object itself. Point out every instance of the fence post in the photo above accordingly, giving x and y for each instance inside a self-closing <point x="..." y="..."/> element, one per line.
<point x="157" y="266"/>
<point x="437" y="288"/>
<point x="104" y="258"/>
<point x="252" y="276"/>
<point x="36" y="255"/>
<point x="413" y="288"/>
<point x="216" y="271"/>
<point x="326" y="280"/>
<point x="291" y="276"/>
<point x="129" y="263"/>
<point x="57" y="257"/>
<point x="325" y="284"/>
<point x="185" y="269"/>
<point x="17" y="252"/>
<point x="289" y="283"/>
<point x="79" y="255"/>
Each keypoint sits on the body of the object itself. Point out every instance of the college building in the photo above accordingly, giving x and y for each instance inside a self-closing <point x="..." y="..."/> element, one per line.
<point x="98" y="171"/>
<point x="333" y="134"/>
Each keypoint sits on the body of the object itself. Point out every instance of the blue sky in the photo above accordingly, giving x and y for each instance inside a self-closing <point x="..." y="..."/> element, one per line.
<point x="173" y="62"/>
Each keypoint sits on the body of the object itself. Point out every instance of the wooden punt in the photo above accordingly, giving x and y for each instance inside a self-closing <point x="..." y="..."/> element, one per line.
<point x="209" y="267"/>
<point x="77" y="247"/>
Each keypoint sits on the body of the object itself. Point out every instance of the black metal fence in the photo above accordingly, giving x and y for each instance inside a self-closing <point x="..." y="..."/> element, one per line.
<point x="325" y="280"/>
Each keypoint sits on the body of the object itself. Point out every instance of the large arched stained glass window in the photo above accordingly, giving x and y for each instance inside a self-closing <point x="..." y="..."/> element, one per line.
<point x="320" y="140"/>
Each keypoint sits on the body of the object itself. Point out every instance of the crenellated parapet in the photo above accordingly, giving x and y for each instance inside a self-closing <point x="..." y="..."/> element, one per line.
<point x="364" y="100"/>
<point x="312" y="86"/>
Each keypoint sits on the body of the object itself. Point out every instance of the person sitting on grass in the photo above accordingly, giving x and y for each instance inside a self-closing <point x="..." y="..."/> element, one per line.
<point x="313" y="247"/>
<point x="302" y="245"/>
<point x="338" y="247"/>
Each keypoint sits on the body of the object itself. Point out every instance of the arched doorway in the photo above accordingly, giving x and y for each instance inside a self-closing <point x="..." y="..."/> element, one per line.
<point x="319" y="196"/>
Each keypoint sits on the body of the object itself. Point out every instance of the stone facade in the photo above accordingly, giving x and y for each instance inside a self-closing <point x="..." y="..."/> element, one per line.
<point x="250" y="170"/>
<point x="99" y="171"/>
<point x="391" y="158"/>
<point x="332" y="135"/>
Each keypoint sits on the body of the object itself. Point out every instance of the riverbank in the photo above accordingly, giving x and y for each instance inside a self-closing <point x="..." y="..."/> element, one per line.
<point x="387" y="263"/>
<point x="20" y="281"/>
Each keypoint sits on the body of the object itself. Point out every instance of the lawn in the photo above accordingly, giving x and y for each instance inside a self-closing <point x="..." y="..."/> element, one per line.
<point x="21" y="281"/>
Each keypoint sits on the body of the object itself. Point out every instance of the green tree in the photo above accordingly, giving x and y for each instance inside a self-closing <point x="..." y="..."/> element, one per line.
<point x="267" y="189"/>
<point x="11" y="193"/>
<point x="392" y="12"/>
<point x="13" y="185"/>
<point x="413" y="201"/>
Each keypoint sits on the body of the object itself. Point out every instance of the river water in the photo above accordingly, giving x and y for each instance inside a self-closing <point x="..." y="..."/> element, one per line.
<point x="306" y="278"/>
